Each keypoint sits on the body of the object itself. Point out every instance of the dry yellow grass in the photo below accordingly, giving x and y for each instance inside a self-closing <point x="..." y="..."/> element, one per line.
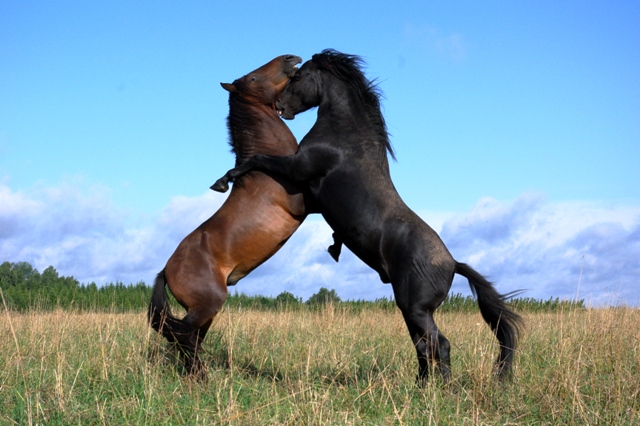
<point x="327" y="367"/>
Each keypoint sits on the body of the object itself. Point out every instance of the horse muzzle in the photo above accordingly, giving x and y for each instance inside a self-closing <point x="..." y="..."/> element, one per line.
<point x="282" y="112"/>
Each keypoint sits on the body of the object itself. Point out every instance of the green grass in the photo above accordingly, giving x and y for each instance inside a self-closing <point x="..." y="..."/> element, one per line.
<point x="328" y="366"/>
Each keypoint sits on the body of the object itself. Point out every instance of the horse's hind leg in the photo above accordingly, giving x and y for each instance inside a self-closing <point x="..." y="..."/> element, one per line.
<point x="198" y="320"/>
<point x="441" y="350"/>
<point x="190" y="343"/>
<point x="430" y="344"/>
<point x="199" y="288"/>
<point x="417" y="307"/>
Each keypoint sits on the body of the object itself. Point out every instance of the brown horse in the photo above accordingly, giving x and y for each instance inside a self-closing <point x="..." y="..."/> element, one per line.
<point x="231" y="243"/>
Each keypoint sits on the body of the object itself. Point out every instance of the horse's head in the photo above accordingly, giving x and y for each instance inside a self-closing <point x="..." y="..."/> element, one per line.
<point x="302" y="92"/>
<point x="265" y="84"/>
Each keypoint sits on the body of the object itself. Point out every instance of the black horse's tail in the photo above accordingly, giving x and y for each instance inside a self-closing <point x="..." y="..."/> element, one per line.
<point x="505" y="323"/>
<point x="160" y="317"/>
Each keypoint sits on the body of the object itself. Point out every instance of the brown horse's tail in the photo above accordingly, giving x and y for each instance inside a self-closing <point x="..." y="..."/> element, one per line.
<point x="160" y="317"/>
<point x="505" y="323"/>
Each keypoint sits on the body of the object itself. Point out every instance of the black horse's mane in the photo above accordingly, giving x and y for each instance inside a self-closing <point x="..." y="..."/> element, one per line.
<point x="348" y="68"/>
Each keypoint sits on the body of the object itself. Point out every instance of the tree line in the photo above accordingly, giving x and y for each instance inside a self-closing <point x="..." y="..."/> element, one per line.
<point x="24" y="288"/>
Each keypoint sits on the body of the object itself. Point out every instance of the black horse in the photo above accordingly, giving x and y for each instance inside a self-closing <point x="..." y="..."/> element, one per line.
<point x="343" y="161"/>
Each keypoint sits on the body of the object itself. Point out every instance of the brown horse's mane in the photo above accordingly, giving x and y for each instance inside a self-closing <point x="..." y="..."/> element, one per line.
<point x="242" y="124"/>
<point x="246" y="126"/>
<point x="348" y="68"/>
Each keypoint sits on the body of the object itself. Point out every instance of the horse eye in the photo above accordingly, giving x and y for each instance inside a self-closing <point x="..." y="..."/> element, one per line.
<point x="253" y="78"/>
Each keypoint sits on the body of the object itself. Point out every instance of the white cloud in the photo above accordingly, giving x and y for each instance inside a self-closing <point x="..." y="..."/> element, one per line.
<point x="78" y="230"/>
<point x="549" y="248"/>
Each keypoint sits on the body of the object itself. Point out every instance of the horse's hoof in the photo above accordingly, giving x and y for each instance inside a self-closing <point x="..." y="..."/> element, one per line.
<point x="421" y="381"/>
<point x="220" y="186"/>
<point x="199" y="373"/>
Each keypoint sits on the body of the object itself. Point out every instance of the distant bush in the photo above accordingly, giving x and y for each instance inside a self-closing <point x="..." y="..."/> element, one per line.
<point x="287" y="300"/>
<point x="551" y="305"/>
<point x="323" y="297"/>
<point x="24" y="288"/>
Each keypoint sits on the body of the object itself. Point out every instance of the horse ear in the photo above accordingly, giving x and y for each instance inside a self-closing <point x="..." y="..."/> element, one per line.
<point x="228" y="87"/>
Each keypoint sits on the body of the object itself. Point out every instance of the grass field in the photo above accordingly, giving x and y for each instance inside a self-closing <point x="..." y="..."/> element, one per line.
<point x="331" y="366"/>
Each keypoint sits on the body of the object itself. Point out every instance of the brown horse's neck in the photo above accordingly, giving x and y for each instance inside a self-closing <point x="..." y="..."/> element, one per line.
<point x="257" y="129"/>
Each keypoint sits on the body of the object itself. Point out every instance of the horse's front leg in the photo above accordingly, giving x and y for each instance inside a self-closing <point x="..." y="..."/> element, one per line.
<point x="254" y="163"/>
<point x="222" y="184"/>
<point x="300" y="167"/>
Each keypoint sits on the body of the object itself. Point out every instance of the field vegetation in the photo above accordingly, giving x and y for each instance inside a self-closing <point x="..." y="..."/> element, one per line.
<point x="330" y="362"/>
<point x="316" y="366"/>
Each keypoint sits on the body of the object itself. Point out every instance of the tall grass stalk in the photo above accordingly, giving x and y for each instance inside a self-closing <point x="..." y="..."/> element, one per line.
<point x="325" y="366"/>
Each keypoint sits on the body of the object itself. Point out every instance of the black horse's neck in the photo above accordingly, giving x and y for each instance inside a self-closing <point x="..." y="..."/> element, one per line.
<point x="348" y="94"/>
<point x="256" y="129"/>
<point x="344" y="109"/>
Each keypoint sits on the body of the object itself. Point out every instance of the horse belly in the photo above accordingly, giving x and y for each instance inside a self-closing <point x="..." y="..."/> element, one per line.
<point x="360" y="235"/>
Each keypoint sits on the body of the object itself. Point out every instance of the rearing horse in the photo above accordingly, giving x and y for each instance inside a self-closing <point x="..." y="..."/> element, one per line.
<point x="343" y="162"/>
<point x="254" y="222"/>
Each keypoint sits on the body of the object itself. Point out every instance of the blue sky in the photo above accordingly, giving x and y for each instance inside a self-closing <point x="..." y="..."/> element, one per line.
<point x="516" y="128"/>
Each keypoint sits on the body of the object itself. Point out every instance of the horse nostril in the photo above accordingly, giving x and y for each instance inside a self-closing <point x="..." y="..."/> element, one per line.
<point x="289" y="58"/>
